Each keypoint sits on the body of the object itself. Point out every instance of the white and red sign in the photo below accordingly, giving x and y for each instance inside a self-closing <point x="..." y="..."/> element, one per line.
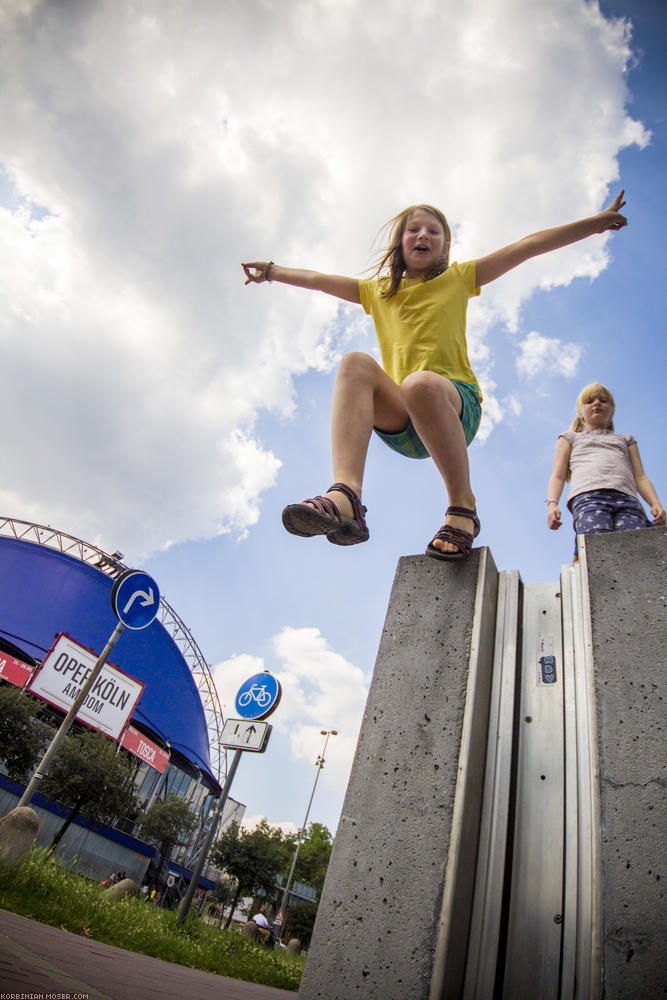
<point x="145" y="749"/>
<point x="108" y="705"/>
<point x="15" y="671"/>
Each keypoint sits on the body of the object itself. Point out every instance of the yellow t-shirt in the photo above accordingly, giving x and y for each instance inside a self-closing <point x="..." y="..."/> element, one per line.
<point x="423" y="327"/>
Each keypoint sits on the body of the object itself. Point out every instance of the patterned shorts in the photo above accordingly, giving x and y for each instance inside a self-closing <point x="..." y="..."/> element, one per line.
<point x="600" y="511"/>
<point x="409" y="443"/>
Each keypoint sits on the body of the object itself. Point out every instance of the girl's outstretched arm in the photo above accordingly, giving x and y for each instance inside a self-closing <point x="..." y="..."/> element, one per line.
<point x="557" y="482"/>
<point x="645" y="486"/>
<point x="333" y="284"/>
<point x="491" y="267"/>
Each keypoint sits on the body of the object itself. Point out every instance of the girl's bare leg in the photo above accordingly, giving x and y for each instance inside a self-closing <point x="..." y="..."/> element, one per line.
<point x="434" y="406"/>
<point x="364" y="397"/>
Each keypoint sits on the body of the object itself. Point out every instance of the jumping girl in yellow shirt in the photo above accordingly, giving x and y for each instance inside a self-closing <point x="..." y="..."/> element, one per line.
<point x="425" y="399"/>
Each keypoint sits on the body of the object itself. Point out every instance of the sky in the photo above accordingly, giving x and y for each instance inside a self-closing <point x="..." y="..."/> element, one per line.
<point x="155" y="405"/>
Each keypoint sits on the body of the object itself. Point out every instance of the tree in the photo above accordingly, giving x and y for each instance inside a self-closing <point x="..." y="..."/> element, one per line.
<point x="168" y="823"/>
<point x="301" y="920"/>
<point x="221" y="894"/>
<point x="313" y="859"/>
<point x="23" y="734"/>
<point x="90" y="776"/>
<point x="254" y="859"/>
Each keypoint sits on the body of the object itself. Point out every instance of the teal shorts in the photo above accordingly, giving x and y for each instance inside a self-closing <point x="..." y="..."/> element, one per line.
<point x="409" y="443"/>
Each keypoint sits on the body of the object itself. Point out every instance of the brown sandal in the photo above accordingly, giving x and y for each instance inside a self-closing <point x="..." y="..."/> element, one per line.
<point x="324" y="518"/>
<point x="353" y="529"/>
<point x="457" y="536"/>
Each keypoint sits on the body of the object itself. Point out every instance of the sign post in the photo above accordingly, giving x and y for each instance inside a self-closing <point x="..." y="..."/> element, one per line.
<point x="131" y="597"/>
<point x="255" y="699"/>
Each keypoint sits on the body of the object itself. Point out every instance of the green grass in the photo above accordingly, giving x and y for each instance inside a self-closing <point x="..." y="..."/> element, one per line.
<point x="44" y="890"/>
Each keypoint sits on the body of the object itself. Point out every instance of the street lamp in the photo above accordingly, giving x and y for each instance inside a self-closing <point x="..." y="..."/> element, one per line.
<point x="319" y="764"/>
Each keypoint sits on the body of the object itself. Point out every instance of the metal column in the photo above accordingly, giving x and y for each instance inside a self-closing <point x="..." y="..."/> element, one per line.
<point x="535" y="927"/>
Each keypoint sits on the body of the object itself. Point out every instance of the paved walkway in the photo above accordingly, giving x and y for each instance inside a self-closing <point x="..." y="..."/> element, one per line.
<point x="36" y="958"/>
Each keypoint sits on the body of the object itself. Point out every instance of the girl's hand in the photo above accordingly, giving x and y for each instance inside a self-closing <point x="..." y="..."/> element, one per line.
<point x="256" y="272"/>
<point x="611" y="218"/>
<point x="553" y="517"/>
<point x="658" y="514"/>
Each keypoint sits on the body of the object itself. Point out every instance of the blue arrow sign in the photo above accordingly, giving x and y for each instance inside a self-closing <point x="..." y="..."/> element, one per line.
<point x="135" y="598"/>
<point x="258" y="696"/>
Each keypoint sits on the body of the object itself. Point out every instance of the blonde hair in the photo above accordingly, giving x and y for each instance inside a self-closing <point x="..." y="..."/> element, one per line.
<point x="586" y="396"/>
<point x="392" y="258"/>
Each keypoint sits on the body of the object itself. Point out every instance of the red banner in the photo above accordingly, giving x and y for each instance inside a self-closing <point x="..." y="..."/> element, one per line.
<point x="14" y="671"/>
<point x="145" y="749"/>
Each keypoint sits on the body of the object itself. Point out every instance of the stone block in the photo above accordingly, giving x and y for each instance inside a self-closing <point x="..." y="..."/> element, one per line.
<point x="18" y="830"/>
<point x="126" y="887"/>
<point x="382" y="916"/>
<point x="627" y="577"/>
<point x="249" y="930"/>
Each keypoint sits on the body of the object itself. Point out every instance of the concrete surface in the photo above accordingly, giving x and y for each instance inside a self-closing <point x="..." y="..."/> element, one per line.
<point x="627" y="575"/>
<point x="380" y="922"/>
<point x="36" y="958"/>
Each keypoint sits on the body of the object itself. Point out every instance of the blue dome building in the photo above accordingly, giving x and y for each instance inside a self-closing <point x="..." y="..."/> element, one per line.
<point x="52" y="583"/>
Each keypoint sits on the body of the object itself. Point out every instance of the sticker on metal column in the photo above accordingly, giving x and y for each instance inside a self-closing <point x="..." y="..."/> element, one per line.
<point x="546" y="661"/>
<point x="135" y="598"/>
<point x="258" y="696"/>
<point x="548" y="669"/>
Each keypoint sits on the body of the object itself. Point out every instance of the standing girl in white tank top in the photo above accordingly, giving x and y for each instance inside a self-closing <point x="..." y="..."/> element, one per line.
<point x="604" y="470"/>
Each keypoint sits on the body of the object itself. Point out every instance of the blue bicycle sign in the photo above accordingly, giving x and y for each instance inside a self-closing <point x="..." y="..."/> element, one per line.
<point x="258" y="696"/>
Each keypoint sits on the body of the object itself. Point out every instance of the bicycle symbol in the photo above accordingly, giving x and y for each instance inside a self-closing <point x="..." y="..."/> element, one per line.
<point x="256" y="693"/>
<point x="258" y="696"/>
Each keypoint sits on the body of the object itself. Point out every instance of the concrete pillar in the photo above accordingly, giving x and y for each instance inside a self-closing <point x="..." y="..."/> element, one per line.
<point x="394" y="916"/>
<point x="627" y="579"/>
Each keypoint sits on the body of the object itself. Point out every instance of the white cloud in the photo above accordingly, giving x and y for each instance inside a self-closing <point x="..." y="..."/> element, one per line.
<point x="513" y="406"/>
<point x="251" y="823"/>
<point x="167" y="140"/>
<point x="321" y="690"/>
<point x="492" y="408"/>
<point x="539" y="354"/>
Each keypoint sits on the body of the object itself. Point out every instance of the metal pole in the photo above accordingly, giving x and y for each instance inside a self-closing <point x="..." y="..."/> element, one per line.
<point x="185" y="903"/>
<point x="57" y="740"/>
<point x="320" y="764"/>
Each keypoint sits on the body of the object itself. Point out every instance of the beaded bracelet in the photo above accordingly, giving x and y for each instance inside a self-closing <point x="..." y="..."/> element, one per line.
<point x="552" y="501"/>
<point x="266" y="273"/>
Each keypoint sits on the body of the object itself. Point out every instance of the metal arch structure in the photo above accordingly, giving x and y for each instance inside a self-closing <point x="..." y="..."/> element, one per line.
<point x="112" y="566"/>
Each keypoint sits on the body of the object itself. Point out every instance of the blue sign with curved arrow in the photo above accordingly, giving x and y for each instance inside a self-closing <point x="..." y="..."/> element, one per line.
<point x="135" y="598"/>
